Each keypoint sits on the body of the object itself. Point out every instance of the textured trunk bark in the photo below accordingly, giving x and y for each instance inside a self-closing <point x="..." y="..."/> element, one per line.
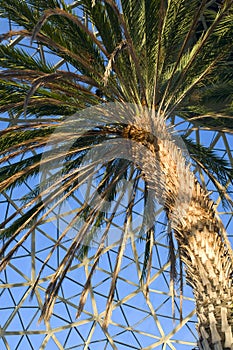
<point x="209" y="268"/>
<point x="206" y="252"/>
<point x="204" y="246"/>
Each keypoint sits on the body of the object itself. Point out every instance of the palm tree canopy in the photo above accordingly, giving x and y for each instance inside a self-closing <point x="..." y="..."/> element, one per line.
<point x="173" y="57"/>
<point x="178" y="55"/>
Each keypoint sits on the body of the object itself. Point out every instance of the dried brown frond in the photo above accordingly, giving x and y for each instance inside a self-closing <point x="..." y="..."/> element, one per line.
<point x="173" y="271"/>
<point x="149" y="264"/>
<point x="113" y="57"/>
<point x="58" y="11"/>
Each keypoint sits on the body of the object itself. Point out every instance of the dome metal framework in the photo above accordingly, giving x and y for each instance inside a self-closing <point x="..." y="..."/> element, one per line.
<point x="140" y="320"/>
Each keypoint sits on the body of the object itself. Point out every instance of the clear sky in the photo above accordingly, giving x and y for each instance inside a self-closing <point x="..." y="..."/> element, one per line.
<point x="137" y="323"/>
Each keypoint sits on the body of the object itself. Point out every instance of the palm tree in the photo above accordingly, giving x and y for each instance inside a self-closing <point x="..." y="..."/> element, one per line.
<point x="151" y="60"/>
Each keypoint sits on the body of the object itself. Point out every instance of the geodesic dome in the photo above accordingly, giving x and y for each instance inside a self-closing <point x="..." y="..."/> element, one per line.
<point x="140" y="319"/>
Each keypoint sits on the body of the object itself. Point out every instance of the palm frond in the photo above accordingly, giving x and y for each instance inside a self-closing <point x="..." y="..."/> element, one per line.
<point x="217" y="169"/>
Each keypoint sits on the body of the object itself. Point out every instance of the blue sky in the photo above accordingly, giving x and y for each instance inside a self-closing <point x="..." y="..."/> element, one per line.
<point x="134" y="309"/>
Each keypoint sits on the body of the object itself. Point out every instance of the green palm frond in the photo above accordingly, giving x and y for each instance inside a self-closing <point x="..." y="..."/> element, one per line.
<point x="211" y="161"/>
<point x="218" y="170"/>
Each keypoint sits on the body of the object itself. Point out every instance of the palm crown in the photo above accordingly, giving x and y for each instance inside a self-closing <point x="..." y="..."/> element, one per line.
<point x="173" y="58"/>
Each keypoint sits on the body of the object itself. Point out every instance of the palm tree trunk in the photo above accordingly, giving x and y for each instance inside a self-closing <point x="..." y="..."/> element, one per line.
<point x="202" y="240"/>
<point x="209" y="267"/>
